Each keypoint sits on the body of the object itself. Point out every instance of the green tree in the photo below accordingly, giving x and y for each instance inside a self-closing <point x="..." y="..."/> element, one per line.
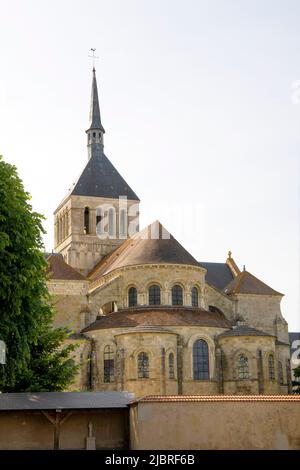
<point x="296" y="382"/>
<point x="36" y="357"/>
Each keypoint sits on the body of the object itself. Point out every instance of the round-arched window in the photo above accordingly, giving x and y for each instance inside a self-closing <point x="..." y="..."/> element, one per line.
<point x="177" y="295"/>
<point x="154" y="295"/>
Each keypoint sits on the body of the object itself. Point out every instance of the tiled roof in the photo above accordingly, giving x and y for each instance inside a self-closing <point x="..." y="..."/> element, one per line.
<point x="58" y="269"/>
<point x="244" y="331"/>
<point x="216" y="398"/>
<point x="160" y="316"/>
<point x="246" y="283"/>
<point x="148" y="329"/>
<point x="218" y="274"/>
<point x="64" y="400"/>
<point x="143" y="248"/>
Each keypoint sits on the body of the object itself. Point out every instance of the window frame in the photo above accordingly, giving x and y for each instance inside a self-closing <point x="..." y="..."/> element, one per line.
<point x="271" y="367"/>
<point x="143" y="365"/>
<point x="108" y="364"/>
<point x="242" y="368"/>
<point x="193" y="290"/>
<point x="176" y="289"/>
<point x="129" y="291"/>
<point x="171" y="366"/>
<point x="201" y="362"/>
<point x="154" y="297"/>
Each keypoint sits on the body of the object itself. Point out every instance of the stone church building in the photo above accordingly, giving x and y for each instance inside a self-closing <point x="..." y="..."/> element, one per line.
<point x="148" y="317"/>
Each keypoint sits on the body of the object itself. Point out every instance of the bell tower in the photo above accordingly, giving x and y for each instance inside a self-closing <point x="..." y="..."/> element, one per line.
<point x="101" y="210"/>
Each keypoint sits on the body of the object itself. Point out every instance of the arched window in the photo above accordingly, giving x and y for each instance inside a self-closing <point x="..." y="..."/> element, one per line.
<point x="171" y="366"/>
<point x="132" y="297"/>
<point x="177" y="295"/>
<point x="143" y="365"/>
<point x="195" y="296"/>
<point x="112" y="223"/>
<point x="280" y="373"/>
<point x="154" y="295"/>
<point x="86" y="222"/>
<point x="242" y="367"/>
<point x="200" y="360"/>
<point x="271" y="367"/>
<point x="99" y="217"/>
<point x="109" y="364"/>
<point x="123" y="224"/>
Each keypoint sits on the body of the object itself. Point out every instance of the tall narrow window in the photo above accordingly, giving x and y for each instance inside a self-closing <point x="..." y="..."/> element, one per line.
<point x="109" y="364"/>
<point x="143" y="365"/>
<point x="200" y="360"/>
<point x="132" y="297"/>
<point x="280" y="373"/>
<point x="177" y="295"/>
<point x="123" y="224"/>
<point x="242" y="367"/>
<point x="195" y="296"/>
<point x="171" y="366"/>
<point x="86" y="220"/>
<point x="271" y="367"/>
<point x="154" y="295"/>
<point x="112" y="223"/>
<point x="98" y="219"/>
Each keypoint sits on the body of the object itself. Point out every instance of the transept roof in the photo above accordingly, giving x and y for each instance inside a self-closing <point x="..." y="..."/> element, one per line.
<point x="246" y="283"/>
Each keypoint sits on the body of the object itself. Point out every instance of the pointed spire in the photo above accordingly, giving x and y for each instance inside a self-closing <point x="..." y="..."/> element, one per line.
<point x="96" y="130"/>
<point x="95" y="118"/>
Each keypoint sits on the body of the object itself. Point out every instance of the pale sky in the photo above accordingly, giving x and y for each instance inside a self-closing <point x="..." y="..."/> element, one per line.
<point x="200" y="106"/>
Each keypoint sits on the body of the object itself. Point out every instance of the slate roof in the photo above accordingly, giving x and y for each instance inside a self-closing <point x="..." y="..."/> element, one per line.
<point x="58" y="269"/>
<point x="101" y="179"/>
<point x="64" y="400"/>
<point x="142" y="248"/>
<point x="218" y="274"/>
<point x="159" y="316"/>
<point x="246" y="283"/>
<point x="244" y="331"/>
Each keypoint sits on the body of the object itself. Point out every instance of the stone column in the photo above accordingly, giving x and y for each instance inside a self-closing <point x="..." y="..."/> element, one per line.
<point x="163" y="371"/>
<point x="179" y="364"/>
<point x="219" y="370"/>
<point x="260" y="372"/>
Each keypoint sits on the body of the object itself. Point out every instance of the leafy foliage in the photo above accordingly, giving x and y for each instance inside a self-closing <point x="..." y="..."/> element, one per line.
<point x="296" y="382"/>
<point x="36" y="359"/>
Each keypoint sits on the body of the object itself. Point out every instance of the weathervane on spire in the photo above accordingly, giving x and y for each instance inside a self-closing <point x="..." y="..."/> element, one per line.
<point x="93" y="56"/>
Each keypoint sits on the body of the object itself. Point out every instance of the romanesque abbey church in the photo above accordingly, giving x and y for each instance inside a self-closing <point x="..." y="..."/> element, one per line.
<point x="148" y="317"/>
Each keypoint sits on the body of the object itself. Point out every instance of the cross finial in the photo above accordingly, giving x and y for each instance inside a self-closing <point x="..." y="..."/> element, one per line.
<point x="94" y="57"/>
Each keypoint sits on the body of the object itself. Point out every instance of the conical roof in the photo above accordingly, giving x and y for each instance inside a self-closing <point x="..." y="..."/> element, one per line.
<point x="246" y="283"/>
<point x="153" y="245"/>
